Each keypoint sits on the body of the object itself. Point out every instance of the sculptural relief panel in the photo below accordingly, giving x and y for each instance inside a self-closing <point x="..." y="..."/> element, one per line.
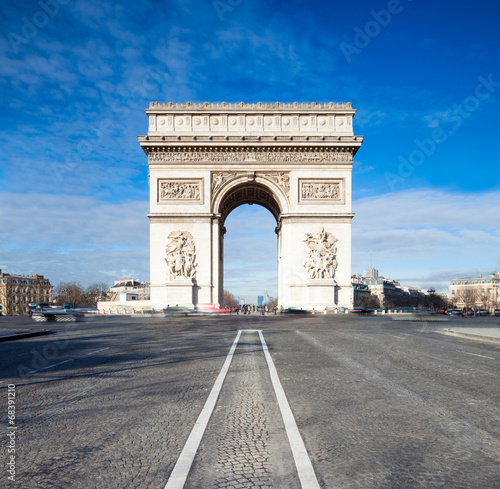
<point x="180" y="191"/>
<point x="321" y="255"/>
<point x="180" y="256"/>
<point x="321" y="191"/>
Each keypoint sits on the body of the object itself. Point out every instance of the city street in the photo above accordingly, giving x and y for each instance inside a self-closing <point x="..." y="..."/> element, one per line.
<point x="366" y="402"/>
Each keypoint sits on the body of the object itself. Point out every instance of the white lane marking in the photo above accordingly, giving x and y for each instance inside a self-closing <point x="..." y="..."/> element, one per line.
<point x="303" y="463"/>
<point x="475" y="354"/>
<point x="50" y="366"/>
<point x="97" y="351"/>
<point x="66" y="361"/>
<point x="181" y="470"/>
<point x="55" y="364"/>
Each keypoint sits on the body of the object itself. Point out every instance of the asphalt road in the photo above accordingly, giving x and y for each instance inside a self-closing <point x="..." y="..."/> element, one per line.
<point x="113" y="402"/>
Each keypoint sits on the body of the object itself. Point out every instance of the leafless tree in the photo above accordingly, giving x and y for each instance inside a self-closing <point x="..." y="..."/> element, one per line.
<point x="70" y="292"/>
<point x="95" y="293"/>
<point x="468" y="297"/>
<point x="229" y="299"/>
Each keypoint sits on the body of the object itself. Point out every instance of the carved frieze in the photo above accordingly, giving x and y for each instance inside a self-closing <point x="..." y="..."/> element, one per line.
<point x="317" y="191"/>
<point x="180" y="255"/>
<point x="321" y="255"/>
<point x="220" y="178"/>
<point x="183" y="191"/>
<point x="229" y="156"/>
<point x="282" y="179"/>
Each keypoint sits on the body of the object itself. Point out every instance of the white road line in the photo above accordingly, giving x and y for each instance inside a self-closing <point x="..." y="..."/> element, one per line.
<point x="182" y="467"/>
<point x="50" y="366"/>
<point x="475" y="354"/>
<point x="69" y="360"/>
<point x="303" y="463"/>
<point x="97" y="351"/>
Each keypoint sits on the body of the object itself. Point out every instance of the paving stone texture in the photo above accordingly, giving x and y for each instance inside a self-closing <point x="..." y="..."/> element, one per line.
<point x="109" y="403"/>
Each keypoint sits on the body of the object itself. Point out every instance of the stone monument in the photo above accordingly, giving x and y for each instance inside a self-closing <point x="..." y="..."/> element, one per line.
<point x="293" y="159"/>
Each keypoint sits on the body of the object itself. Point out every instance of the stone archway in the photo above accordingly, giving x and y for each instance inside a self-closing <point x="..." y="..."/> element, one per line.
<point x="293" y="159"/>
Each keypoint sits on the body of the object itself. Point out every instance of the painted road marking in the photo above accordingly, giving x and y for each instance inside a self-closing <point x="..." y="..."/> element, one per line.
<point x="475" y="354"/>
<point x="55" y="364"/>
<point x="97" y="351"/>
<point x="182" y="467"/>
<point x="303" y="463"/>
<point x="69" y="360"/>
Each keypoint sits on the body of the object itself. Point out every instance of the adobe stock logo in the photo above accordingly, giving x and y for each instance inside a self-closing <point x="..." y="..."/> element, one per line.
<point x="30" y="28"/>
<point x="224" y="6"/>
<point x="455" y="118"/>
<point x="363" y="37"/>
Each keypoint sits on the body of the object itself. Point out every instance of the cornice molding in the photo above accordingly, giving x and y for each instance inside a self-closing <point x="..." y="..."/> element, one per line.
<point x="250" y="106"/>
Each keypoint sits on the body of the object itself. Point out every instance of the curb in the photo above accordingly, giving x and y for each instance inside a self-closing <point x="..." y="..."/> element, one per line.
<point x="425" y="319"/>
<point x="21" y="336"/>
<point x="471" y="335"/>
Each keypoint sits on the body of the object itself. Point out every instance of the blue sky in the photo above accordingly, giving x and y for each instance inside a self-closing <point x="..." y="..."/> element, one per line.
<point x="77" y="76"/>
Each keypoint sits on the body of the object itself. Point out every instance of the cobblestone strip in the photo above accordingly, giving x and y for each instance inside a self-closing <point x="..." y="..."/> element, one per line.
<point x="244" y="448"/>
<point x="183" y="466"/>
<point x="302" y="461"/>
<point x="245" y="445"/>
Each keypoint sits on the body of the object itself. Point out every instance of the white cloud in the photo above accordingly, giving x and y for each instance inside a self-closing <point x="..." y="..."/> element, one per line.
<point x="427" y="237"/>
<point x="430" y="208"/>
<point x="73" y="238"/>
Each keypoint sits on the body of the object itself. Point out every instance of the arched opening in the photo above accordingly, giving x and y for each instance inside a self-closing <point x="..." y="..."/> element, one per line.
<point x="248" y="247"/>
<point x="250" y="254"/>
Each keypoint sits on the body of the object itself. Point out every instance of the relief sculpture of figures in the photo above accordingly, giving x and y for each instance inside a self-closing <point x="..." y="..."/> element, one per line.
<point x="180" y="255"/>
<point x="219" y="179"/>
<point x="281" y="178"/>
<point x="321" y="191"/>
<point x="321" y="253"/>
<point x="179" y="191"/>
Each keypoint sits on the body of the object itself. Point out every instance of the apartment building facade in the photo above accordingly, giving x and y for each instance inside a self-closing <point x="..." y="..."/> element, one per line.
<point x="17" y="292"/>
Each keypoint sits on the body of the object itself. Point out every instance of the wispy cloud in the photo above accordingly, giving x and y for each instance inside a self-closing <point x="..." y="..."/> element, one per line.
<point x="422" y="235"/>
<point x="74" y="100"/>
<point x="67" y="236"/>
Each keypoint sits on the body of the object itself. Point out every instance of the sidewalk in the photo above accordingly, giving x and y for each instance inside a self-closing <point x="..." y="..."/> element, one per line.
<point x="9" y="334"/>
<point x="485" y="334"/>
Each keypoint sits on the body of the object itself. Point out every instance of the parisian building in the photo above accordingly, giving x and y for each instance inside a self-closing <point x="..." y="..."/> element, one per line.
<point x="17" y="292"/>
<point x="385" y="290"/>
<point x="134" y="289"/>
<point x="479" y="291"/>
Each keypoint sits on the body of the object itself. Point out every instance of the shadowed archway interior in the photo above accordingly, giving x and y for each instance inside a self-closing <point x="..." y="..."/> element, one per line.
<point x="249" y="193"/>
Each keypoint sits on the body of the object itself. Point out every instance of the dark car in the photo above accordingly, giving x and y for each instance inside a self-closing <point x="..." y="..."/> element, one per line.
<point x="294" y="310"/>
<point x="361" y="310"/>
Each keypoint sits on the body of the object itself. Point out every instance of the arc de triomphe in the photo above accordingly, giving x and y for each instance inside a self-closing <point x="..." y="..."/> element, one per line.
<point x="293" y="159"/>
